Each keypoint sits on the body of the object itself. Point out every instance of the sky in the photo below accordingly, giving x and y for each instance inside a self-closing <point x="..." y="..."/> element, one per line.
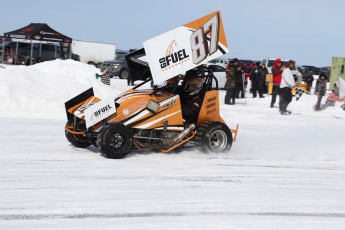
<point x="309" y="32"/>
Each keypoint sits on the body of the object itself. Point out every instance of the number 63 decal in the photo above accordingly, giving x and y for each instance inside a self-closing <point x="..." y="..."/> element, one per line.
<point x="198" y="40"/>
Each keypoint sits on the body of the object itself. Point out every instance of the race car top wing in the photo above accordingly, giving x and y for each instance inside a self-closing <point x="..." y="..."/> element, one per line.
<point x="138" y="66"/>
<point x="186" y="47"/>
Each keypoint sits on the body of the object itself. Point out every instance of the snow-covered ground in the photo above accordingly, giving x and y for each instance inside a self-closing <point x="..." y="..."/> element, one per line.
<point x="283" y="172"/>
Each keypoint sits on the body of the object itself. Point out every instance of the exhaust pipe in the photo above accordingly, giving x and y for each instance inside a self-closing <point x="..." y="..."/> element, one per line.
<point x="183" y="134"/>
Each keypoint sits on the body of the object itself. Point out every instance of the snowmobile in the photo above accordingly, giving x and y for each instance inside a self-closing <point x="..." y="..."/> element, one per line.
<point x="148" y="118"/>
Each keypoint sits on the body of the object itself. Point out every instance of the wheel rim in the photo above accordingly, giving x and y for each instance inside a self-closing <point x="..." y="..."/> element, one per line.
<point x="117" y="141"/>
<point x="218" y="141"/>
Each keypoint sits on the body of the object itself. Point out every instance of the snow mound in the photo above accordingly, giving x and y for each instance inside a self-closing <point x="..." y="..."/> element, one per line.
<point x="43" y="88"/>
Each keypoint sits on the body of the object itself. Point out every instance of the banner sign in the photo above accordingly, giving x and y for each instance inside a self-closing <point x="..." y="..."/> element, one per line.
<point x="186" y="47"/>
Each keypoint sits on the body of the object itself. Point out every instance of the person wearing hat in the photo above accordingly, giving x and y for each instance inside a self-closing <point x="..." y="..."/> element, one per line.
<point x="255" y="78"/>
<point x="238" y="79"/>
<point x="321" y="91"/>
<point x="233" y="79"/>
<point x="277" y="71"/>
<point x="286" y="85"/>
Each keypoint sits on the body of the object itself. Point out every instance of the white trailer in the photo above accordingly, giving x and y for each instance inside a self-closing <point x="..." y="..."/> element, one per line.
<point x="93" y="53"/>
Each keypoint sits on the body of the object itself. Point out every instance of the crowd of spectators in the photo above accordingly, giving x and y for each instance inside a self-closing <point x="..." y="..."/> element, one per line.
<point x="283" y="84"/>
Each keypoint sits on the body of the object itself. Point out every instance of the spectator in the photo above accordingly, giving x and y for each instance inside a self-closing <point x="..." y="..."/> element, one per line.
<point x="309" y="80"/>
<point x="256" y="78"/>
<point x="241" y="85"/>
<point x="321" y="91"/>
<point x="130" y="80"/>
<point x="233" y="82"/>
<point x="277" y="71"/>
<point x="262" y="83"/>
<point x="230" y="83"/>
<point x="333" y="98"/>
<point x="238" y="78"/>
<point x="286" y="84"/>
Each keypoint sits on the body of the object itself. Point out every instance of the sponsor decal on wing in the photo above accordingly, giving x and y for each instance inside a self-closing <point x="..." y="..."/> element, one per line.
<point x="186" y="47"/>
<point x="99" y="111"/>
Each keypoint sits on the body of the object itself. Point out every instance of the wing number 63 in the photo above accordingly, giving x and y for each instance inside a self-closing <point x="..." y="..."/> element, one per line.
<point x="198" y="40"/>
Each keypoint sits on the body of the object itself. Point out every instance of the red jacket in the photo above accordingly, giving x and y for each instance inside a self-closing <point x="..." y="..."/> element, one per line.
<point x="277" y="72"/>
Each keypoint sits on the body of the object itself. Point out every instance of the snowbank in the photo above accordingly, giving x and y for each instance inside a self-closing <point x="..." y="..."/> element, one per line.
<point x="42" y="89"/>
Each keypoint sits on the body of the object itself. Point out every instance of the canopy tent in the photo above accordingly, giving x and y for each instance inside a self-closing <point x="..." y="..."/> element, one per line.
<point x="33" y="33"/>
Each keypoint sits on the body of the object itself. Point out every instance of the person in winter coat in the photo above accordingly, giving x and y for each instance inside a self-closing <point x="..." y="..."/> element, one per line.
<point x="322" y="84"/>
<point x="255" y="78"/>
<point x="238" y="71"/>
<point x="258" y="78"/>
<point x="277" y="71"/>
<point x="233" y="80"/>
<point x="309" y="80"/>
<point x="230" y="83"/>
<point x="239" y="80"/>
<point x="286" y="84"/>
<point x="262" y="82"/>
<point x="333" y="98"/>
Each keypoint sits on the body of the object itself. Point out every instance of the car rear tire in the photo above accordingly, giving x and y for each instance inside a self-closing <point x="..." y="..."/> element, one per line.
<point x="213" y="136"/>
<point x="115" y="141"/>
<point x="124" y="74"/>
<point x="78" y="140"/>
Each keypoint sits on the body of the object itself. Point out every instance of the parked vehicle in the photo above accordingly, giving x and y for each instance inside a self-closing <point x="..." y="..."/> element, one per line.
<point x="220" y="61"/>
<point x="269" y="62"/>
<point x="314" y="69"/>
<point x="117" y="67"/>
<point x="219" y="72"/>
<point x="93" y="53"/>
<point x="304" y="72"/>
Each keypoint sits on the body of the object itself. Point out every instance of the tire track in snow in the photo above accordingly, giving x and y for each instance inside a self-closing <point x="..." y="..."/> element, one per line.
<point x="165" y="214"/>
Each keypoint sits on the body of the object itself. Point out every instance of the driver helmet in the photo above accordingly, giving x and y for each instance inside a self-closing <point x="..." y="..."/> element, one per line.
<point x="193" y="86"/>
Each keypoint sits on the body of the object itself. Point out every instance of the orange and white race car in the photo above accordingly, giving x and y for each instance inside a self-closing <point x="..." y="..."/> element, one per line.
<point x="164" y="117"/>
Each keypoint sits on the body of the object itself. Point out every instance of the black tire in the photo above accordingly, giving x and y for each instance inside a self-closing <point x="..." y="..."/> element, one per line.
<point x="213" y="136"/>
<point x="115" y="141"/>
<point x="77" y="140"/>
<point x="124" y="74"/>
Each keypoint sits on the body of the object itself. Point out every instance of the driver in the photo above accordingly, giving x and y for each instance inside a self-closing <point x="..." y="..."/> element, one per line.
<point x="191" y="102"/>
